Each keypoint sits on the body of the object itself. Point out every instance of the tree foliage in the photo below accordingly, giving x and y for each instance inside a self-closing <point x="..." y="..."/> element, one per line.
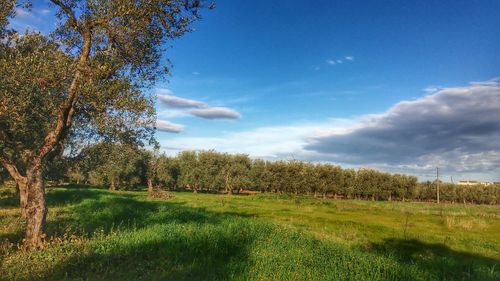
<point x="85" y="80"/>
<point x="211" y="171"/>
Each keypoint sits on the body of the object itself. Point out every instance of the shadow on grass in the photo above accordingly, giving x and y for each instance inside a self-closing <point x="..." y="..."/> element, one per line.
<point x="90" y="211"/>
<point x="8" y="198"/>
<point x="185" y="256"/>
<point x="55" y="196"/>
<point x="70" y="195"/>
<point x="439" y="258"/>
<point x="156" y="240"/>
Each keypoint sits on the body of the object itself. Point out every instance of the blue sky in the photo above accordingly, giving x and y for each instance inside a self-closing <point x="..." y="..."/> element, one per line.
<point x="306" y="79"/>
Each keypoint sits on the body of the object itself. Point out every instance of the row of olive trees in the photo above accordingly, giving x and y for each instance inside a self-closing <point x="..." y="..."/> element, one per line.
<point x="448" y="192"/>
<point x="127" y="166"/>
<point x="222" y="172"/>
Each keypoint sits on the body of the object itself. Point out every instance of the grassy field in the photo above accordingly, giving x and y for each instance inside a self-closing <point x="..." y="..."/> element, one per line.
<point x="127" y="236"/>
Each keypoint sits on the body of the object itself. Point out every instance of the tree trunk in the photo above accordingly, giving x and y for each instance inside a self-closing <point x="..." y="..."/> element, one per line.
<point x="23" y="197"/>
<point x="229" y="190"/>
<point x="36" y="209"/>
<point x="22" y="190"/>
<point x="21" y="183"/>
<point x="150" y="186"/>
<point x="112" y="186"/>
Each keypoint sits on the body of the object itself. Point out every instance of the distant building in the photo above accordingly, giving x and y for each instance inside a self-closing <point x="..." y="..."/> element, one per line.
<point x="471" y="182"/>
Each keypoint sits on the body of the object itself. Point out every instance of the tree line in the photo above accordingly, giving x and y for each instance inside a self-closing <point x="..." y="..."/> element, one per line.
<point x="127" y="167"/>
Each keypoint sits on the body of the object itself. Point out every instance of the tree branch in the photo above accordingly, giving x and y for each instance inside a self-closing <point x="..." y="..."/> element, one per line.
<point x="67" y="108"/>
<point x="10" y="167"/>
<point x="71" y="15"/>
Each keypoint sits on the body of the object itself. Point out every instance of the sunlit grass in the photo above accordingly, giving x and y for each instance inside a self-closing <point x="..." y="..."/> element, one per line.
<point x="127" y="236"/>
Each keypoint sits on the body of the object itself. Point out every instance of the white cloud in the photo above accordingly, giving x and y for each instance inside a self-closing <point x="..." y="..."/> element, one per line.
<point x="196" y="73"/>
<point x="456" y="129"/>
<point x="166" y="98"/>
<point x="216" y="113"/>
<point x="265" y="142"/>
<point x="340" y="61"/>
<point x="431" y="89"/>
<point x="181" y="107"/>
<point x="167" y="126"/>
<point x="44" y="11"/>
<point x="172" y="113"/>
<point x="22" y="13"/>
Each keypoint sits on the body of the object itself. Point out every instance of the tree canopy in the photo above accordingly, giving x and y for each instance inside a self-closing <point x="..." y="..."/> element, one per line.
<point x="87" y="79"/>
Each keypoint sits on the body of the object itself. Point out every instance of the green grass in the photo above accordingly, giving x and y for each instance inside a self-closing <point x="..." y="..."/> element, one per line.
<point x="127" y="236"/>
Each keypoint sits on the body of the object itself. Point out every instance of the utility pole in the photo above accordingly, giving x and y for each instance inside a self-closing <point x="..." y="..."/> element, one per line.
<point x="437" y="183"/>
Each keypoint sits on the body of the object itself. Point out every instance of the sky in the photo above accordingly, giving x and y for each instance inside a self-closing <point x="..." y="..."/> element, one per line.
<point x="400" y="86"/>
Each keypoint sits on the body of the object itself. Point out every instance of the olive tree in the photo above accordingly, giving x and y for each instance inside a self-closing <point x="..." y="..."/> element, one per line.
<point x="87" y="79"/>
<point x="190" y="170"/>
<point x="236" y="172"/>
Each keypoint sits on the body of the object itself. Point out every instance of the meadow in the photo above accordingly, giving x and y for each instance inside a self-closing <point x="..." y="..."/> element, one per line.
<point x="125" y="235"/>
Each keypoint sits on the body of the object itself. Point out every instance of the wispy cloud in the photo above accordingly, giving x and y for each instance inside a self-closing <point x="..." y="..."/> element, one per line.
<point x="22" y="13"/>
<point x="431" y="89"/>
<point x="35" y="19"/>
<point x="44" y="11"/>
<point x="180" y="107"/>
<point x="340" y="60"/>
<point x="178" y="102"/>
<point x="169" y="127"/>
<point x="216" y="113"/>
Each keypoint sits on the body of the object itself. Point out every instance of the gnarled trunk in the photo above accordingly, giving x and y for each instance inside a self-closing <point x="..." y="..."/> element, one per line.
<point x="22" y="191"/>
<point x="23" y="196"/>
<point x="36" y="208"/>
